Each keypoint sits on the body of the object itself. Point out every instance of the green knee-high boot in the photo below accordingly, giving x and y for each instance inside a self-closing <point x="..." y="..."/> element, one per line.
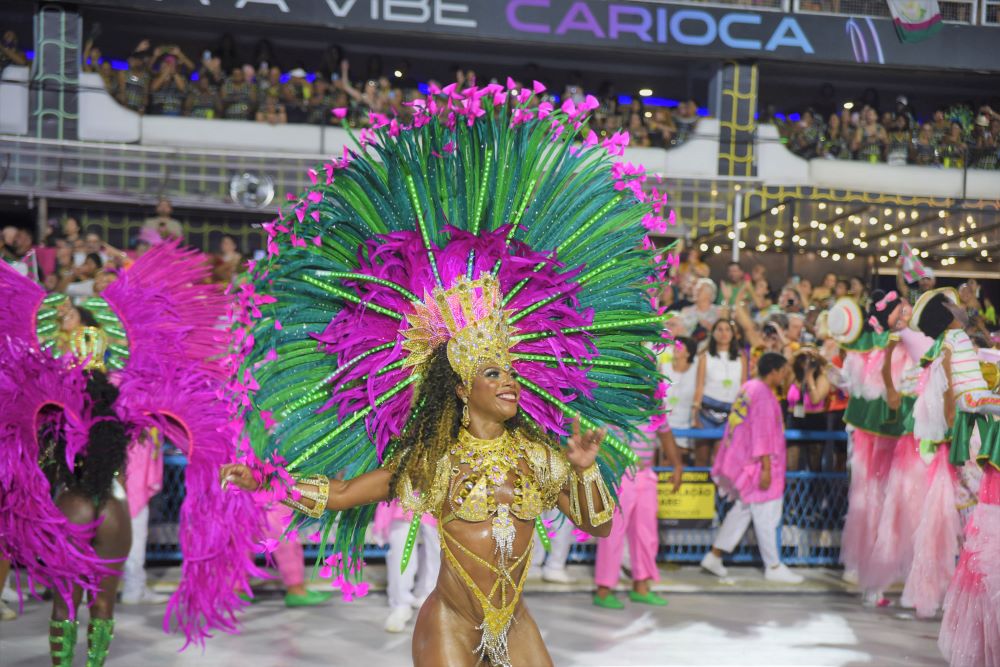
<point x="62" y="646"/>
<point x="100" y="632"/>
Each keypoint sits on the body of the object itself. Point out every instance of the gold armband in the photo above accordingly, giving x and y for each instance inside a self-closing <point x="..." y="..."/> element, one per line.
<point x="319" y="496"/>
<point x="590" y="478"/>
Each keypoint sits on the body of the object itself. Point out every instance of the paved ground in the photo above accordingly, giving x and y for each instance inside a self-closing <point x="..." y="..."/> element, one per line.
<point x="742" y="622"/>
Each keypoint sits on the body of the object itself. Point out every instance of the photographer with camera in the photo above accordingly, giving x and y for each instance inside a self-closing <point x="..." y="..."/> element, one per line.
<point x="808" y="400"/>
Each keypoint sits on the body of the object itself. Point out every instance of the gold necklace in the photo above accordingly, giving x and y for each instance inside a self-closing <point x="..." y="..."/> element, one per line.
<point x="491" y="460"/>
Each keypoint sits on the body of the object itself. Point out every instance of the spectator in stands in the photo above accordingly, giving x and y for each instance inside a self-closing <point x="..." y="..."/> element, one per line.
<point x="735" y="287"/>
<point x="953" y="148"/>
<point x="870" y="139"/>
<point x="822" y="296"/>
<point x="238" y="96"/>
<point x="363" y="101"/>
<point x="272" y="110"/>
<point x="10" y="52"/>
<point x="17" y="244"/>
<point x="228" y="261"/>
<point x="722" y="370"/>
<point x="760" y="298"/>
<point x="92" y="58"/>
<point x="693" y="264"/>
<point x="662" y="128"/>
<point x="134" y="92"/>
<point x="682" y="374"/>
<point x="903" y="109"/>
<point x="268" y="80"/>
<point x="805" y="137"/>
<point x="700" y="317"/>
<point x="859" y="291"/>
<point x="202" y="101"/>
<point x="941" y="125"/>
<point x="924" y="149"/>
<point x="983" y="145"/>
<point x="70" y="230"/>
<point x="808" y="401"/>
<point x="82" y="285"/>
<point x="64" y="270"/>
<point x="168" y="87"/>
<point x="211" y="70"/>
<point x="638" y="132"/>
<point x="321" y="103"/>
<point x="900" y="141"/>
<point x="296" y="96"/>
<point x="842" y="289"/>
<point x="835" y="142"/>
<point x="162" y="224"/>
<point x="686" y="119"/>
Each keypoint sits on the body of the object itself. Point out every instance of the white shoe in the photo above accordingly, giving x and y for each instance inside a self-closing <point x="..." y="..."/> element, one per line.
<point x="145" y="596"/>
<point x="557" y="577"/>
<point x="782" y="575"/>
<point x="850" y="577"/>
<point x="8" y="594"/>
<point x="398" y="618"/>
<point x="6" y="613"/>
<point x="535" y="573"/>
<point x="713" y="564"/>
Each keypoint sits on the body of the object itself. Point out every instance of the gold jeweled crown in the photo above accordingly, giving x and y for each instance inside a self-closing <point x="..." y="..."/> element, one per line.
<point x="88" y="345"/>
<point x="469" y="318"/>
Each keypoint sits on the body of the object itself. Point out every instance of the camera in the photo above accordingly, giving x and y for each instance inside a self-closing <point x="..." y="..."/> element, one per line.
<point x="770" y="329"/>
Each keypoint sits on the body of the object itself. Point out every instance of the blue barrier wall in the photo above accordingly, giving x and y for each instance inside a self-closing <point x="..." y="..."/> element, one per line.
<point x="812" y="522"/>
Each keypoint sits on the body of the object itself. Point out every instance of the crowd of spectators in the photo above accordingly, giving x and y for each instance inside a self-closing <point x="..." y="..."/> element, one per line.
<point x="722" y="327"/>
<point x="163" y="80"/>
<point x="952" y="138"/>
<point x="81" y="263"/>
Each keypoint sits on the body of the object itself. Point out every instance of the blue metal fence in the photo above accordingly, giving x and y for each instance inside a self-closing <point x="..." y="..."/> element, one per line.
<point x="812" y="522"/>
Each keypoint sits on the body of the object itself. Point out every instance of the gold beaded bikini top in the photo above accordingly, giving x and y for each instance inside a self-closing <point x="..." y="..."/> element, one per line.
<point x="468" y="476"/>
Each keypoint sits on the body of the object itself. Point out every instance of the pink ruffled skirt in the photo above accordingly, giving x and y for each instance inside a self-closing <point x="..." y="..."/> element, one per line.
<point x="970" y="630"/>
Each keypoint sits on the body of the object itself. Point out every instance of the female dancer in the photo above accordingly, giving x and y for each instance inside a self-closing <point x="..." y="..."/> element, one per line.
<point x="89" y="492"/>
<point x="471" y="461"/>
<point x="457" y="301"/>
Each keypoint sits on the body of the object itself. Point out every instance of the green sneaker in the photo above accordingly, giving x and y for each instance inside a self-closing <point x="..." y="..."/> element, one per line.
<point x="310" y="599"/>
<point x="649" y="598"/>
<point x="609" y="602"/>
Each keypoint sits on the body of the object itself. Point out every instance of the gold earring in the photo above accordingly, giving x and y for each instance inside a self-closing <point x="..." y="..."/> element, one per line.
<point x="465" y="416"/>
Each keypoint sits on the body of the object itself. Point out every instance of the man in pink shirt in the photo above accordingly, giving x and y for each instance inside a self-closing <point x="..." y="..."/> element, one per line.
<point x="750" y="469"/>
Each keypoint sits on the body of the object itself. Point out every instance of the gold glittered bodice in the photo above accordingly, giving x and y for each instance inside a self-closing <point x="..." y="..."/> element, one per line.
<point x="481" y="467"/>
<point x="471" y="484"/>
<point x="469" y="475"/>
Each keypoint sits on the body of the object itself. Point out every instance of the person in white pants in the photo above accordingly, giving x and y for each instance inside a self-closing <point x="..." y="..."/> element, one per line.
<point x="407" y="590"/>
<point x="143" y="480"/>
<point x="554" y="568"/>
<point x="750" y="469"/>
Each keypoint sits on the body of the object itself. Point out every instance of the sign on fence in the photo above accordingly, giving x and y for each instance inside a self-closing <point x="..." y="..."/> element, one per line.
<point x="693" y="506"/>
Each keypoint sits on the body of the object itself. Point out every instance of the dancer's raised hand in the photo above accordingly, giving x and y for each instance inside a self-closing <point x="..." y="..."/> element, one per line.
<point x="239" y="476"/>
<point x="583" y="447"/>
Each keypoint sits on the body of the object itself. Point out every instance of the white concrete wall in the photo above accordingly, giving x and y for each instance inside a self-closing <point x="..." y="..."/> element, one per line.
<point x="14" y="100"/>
<point x="776" y="165"/>
<point x="101" y="117"/>
<point x="697" y="157"/>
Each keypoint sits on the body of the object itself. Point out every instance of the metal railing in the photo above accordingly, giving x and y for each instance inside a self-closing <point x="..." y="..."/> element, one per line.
<point x="952" y="11"/>
<point x="990" y="12"/>
<point x="809" y="534"/>
<point x="139" y="174"/>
